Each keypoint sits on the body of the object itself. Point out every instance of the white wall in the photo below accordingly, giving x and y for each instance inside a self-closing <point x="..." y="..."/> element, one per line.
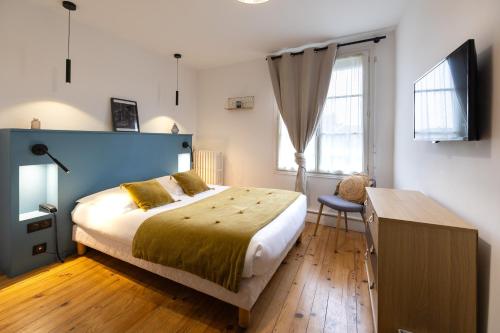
<point x="248" y="138"/>
<point x="32" y="74"/>
<point x="464" y="176"/>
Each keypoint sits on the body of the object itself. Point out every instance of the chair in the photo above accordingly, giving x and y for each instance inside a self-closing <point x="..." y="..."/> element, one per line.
<point x="340" y="205"/>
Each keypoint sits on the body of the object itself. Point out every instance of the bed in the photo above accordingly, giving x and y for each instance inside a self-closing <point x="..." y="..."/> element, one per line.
<point x="107" y="222"/>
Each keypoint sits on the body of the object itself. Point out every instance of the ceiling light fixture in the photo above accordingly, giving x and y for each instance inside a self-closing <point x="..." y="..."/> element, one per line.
<point x="253" y="2"/>
<point x="177" y="56"/>
<point x="70" y="6"/>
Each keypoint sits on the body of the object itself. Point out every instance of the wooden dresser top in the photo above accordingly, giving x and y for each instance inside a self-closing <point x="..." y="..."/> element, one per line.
<point x="412" y="206"/>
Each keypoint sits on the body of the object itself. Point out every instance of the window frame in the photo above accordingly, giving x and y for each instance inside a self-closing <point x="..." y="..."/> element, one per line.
<point x="368" y="149"/>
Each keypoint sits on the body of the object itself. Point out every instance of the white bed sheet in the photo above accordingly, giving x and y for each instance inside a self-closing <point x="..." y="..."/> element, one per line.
<point x="265" y="248"/>
<point x="245" y="298"/>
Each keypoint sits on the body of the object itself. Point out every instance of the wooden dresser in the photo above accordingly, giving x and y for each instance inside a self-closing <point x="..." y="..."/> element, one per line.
<point x="421" y="261"/>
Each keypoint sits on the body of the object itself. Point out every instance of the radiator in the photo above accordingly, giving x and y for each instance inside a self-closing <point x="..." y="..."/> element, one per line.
<point x="210" y="166"/>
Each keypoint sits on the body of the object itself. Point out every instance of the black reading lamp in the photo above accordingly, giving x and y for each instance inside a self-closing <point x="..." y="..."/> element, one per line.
<point x="185" y="145"/>
<point x="41" y="149"/>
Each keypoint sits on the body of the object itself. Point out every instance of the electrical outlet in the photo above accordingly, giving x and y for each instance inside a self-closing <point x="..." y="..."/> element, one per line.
<point x="40" y="225"/>
<point x="40" y="248"/>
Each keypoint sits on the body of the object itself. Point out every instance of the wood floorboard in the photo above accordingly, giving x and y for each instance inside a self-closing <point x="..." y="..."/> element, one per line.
<point x="314" y="290"/>
<point x="268" y="307"/>
<point x="320" y="302"/>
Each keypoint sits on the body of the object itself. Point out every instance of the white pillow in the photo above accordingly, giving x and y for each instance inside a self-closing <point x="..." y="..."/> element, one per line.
<point x="115" y="190"/>
<point x="170" y="184"/>
<point x="101" y="207"/>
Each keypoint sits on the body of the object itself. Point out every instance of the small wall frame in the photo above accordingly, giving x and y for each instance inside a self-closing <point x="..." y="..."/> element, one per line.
<point x="124" y="115"/>
<point x="240" y="103"/>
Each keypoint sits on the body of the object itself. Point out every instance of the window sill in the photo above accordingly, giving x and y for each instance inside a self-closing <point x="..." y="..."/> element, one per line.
<point x="311" y="174"/>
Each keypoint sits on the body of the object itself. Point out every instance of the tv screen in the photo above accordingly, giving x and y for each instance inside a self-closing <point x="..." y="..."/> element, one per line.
<point x="444" y="98"/>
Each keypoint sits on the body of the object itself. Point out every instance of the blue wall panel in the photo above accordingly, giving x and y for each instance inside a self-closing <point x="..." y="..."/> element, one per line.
<point x="97" y="160"/>
<point x="5" y="202"/>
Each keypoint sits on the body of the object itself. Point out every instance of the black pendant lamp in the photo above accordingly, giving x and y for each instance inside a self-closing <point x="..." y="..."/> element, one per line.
<point x="70" y="6"/>
<point x="177" y="56"/>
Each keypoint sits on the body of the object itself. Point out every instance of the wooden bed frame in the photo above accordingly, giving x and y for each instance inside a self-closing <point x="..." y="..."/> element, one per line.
<point x="243" y="314"/>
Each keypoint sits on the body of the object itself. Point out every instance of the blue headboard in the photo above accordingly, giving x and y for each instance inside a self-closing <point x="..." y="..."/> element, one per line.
<point x="97" y="160"/>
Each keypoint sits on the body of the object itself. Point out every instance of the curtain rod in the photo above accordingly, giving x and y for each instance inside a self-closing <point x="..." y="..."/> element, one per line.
<point x="374" y="39"/>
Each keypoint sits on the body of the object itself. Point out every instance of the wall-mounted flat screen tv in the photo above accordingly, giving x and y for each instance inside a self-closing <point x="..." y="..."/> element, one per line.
<point x="445" y="98"/>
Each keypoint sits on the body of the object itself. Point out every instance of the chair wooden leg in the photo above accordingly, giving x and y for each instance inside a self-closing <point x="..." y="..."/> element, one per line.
<point x="319" y="217"/>
<point x="345" y="218"/>
<point x="243" y="318"/>
<point x="337" y="229"/>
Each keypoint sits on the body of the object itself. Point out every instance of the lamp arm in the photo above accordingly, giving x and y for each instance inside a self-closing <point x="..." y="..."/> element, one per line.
<point x="191" y="156"/>
<point x="56" y="161"/>
<point x="192" y="159"/>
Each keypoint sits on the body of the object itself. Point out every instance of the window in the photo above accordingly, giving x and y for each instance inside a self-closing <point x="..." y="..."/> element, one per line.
<point x="339" y="143"/>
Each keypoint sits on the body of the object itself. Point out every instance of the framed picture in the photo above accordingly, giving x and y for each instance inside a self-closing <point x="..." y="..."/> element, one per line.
<point x="124" y="115"/>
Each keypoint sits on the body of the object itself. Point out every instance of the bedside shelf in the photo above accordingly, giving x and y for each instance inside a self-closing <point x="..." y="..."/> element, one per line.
<point x="34" y="215"/>
<point x="240" y="103"/>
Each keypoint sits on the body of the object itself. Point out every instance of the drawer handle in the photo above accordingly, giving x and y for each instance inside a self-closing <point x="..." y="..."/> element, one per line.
<point x="372" y="285"/>
<point x="370" y="220"/>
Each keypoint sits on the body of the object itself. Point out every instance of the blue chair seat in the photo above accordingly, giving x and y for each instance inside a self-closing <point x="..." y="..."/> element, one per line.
<point x="337" y="203"/>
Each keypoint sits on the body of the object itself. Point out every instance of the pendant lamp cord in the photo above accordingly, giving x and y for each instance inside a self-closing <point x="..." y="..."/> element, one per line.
<point x="69" y="29"/>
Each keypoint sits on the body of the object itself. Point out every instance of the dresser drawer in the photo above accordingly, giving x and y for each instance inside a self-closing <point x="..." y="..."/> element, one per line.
<point x="370" y="246"/>
<point x="372" y="223"/>
<point x="368" y="209"/>
<point x="371" y="258"/>
<point x="372" y="285"/>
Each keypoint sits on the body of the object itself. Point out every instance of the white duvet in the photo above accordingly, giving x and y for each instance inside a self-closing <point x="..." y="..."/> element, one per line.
<point x="115" y="219"/>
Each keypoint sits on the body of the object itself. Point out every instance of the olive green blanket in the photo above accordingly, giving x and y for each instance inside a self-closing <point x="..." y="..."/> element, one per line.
<point x="210" y="237"/>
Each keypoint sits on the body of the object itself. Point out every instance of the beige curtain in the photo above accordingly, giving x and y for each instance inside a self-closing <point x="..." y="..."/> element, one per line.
<point x="300" y="84"/>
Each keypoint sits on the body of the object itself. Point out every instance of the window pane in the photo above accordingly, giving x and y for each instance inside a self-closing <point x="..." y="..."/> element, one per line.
<point x="286" y="151"/>
<point x="341" y="125"/>
<point x="347" y="77"/>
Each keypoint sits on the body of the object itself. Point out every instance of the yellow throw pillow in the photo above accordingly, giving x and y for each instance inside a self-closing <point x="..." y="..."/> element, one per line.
<point x="353" y="189"/>
<point x="190" y="182"/>
<point x="148" y="194"/>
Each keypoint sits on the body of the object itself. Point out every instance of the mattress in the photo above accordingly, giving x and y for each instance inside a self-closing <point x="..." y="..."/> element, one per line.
<point x="264" y="252"/>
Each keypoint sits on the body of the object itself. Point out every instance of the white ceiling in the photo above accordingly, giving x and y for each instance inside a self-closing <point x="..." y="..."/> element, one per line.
<point x="217" y="32"/>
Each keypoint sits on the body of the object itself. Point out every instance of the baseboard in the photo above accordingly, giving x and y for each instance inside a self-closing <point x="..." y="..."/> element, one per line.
<point x="330" y="219"/>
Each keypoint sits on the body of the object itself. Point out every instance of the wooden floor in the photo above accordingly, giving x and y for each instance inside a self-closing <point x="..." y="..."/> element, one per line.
<point x="314" y="290"/>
